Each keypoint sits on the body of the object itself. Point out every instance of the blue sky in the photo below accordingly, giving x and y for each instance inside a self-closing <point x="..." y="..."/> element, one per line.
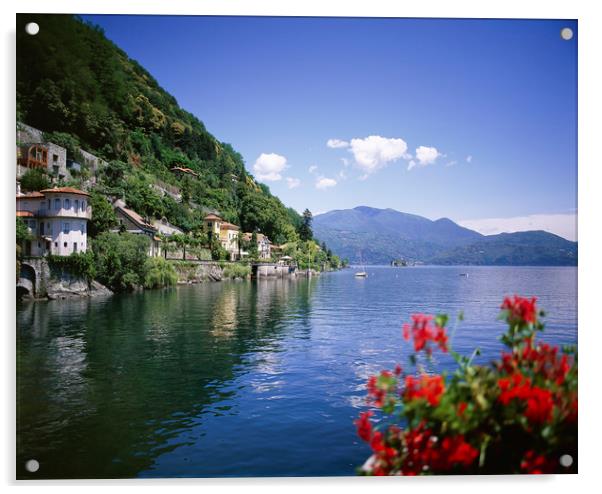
<point x="474" y="120"/>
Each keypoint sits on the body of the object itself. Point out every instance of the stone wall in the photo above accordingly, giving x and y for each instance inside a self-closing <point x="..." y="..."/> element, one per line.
<point x="198" y="272"/>
<point x="39" y="281"/>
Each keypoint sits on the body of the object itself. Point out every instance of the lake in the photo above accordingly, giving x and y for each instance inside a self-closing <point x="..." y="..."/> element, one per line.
<point x="242" y="378"/>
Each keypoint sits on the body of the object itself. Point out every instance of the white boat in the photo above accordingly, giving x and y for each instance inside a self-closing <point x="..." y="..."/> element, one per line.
<point x="362" y="273"/>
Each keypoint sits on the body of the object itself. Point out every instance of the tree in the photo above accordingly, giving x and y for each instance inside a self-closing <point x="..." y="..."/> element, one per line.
<point x="253" y="246"/>
<point x="120" y="259"/>
<point x="34" y="180"/>
<point x="22" y="235"/>
<point x="103" y="215"/>
<point x="305" y="230"/>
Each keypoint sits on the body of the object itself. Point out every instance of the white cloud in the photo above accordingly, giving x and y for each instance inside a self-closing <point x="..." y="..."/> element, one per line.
<point x="342" y="175"/>
<point x="312" y="168"/>
<point x="292" y="183"/>
<point x="337" y="143"/>
<point x="325" y="183"/>
<point x="345" y="161"/>
<point x="269" y="167"/>
<point x="411" y="164"/>
<point x="451" y="163"/>
<point x="374" y="152"/>
<point x="469" y="158"/>
<point x="426" y="155"/>
<point x="564" y="225"/>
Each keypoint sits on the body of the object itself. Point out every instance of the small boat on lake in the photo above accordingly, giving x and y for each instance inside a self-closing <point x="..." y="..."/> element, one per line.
<point x="464" y="274"/>
<point x="362" y="273"/>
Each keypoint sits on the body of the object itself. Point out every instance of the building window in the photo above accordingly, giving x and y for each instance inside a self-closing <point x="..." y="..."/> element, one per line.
<point x="76" y="205"/>
<point x="83" y="205"/>
<point x="83" y="228"/>
<point x="56" y="244"/>
<point x="65" y="244"/>
<point x="57" y="204"/>
<point x="67" y="204"/>
<point x="42" y="228"/>
<point x="66" y="228"/>
<point x="74" y="246"/>
<point x="49" y="204"/>
<point x="55" y="157"/>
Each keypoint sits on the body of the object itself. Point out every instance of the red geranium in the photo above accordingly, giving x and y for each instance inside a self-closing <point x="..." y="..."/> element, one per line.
<point x="464" y="422"/>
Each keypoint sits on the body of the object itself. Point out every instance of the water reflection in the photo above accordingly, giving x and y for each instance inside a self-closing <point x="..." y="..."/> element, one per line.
<point x="240" y="378"/>
<point x="104" y="386"/>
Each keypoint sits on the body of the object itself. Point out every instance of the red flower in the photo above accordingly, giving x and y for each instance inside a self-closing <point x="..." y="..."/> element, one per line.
<point x="520" y="309"/>
<point x="427" y="387"/>
<point x="458" y="451"/>
<point x="539" y="406"/>
<point x="536" y="464"/>
<point x="424" y="332"/>
<point x="364" y="426"/>
<point x="462" y="408"/>
<point x="539" y="402"/>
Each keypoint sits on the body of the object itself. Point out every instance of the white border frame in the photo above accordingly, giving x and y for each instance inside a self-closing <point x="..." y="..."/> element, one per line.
<point x="590" y="85"/>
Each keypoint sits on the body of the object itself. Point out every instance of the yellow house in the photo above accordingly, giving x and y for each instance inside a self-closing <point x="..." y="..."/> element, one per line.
<point x="229" y="238"/>
<point x="227" y="233"/>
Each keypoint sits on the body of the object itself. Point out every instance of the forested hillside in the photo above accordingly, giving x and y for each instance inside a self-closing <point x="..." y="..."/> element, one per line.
<point x="81" y="89"/>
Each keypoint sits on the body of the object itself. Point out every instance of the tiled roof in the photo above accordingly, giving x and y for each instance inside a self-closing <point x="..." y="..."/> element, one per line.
<point x="184" y="170"/>
<point x="30" y="195"/>
<point x="134" y="216"/>
<point x="229" y="226"/>
<point x="27" y="214"/>
<point x="212" y="216"/>
<point x="260" y="236"/>
<point x="65" y="190"/>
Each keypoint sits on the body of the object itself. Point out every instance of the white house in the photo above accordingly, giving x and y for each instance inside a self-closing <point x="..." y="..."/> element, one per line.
<point x="57" y="220"/>
<point x="130" y="221"/>
<point x="264" y="246"/>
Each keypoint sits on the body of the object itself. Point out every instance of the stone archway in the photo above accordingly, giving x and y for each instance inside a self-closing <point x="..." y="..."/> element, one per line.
<point x="26" y="285"/>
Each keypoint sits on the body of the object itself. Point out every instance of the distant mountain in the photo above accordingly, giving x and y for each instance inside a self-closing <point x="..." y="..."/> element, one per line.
<point x="377" y="236"/>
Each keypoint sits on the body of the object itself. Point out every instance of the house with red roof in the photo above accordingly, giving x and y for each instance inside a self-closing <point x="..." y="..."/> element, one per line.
<point x="57" y="220"/>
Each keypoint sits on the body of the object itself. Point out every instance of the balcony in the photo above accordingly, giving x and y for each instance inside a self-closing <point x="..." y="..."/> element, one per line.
<point x="64" y="213"/>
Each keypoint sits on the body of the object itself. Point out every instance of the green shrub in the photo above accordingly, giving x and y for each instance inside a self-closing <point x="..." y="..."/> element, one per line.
<point x="34" y="180"/>
<point x="236" y="270"/>
<point x="159" y="273"/>
<point x="80" y="264"/>
<point x="121" y="259"/>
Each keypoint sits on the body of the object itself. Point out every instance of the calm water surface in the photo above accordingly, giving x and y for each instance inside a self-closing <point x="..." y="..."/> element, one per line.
<point x="241" y="378"/>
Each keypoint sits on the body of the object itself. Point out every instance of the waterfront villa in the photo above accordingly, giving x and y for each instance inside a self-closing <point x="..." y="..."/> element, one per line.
<point x="264" y="246"/>
<point x="131" y="222"/>
<point x="57" y="220"/>
<point x="228" y="237"/>
<point x="227" y="233"/>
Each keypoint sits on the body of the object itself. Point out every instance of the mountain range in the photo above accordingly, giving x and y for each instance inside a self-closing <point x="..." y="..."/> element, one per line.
<point x="379" y="236"/>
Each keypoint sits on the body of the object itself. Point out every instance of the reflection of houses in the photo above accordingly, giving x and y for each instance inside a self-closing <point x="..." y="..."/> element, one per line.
<point x="264" y="246"/>
<point x="131" y="222"/>
<point x="227" y="233"/>
<point x="57" y="221"/>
